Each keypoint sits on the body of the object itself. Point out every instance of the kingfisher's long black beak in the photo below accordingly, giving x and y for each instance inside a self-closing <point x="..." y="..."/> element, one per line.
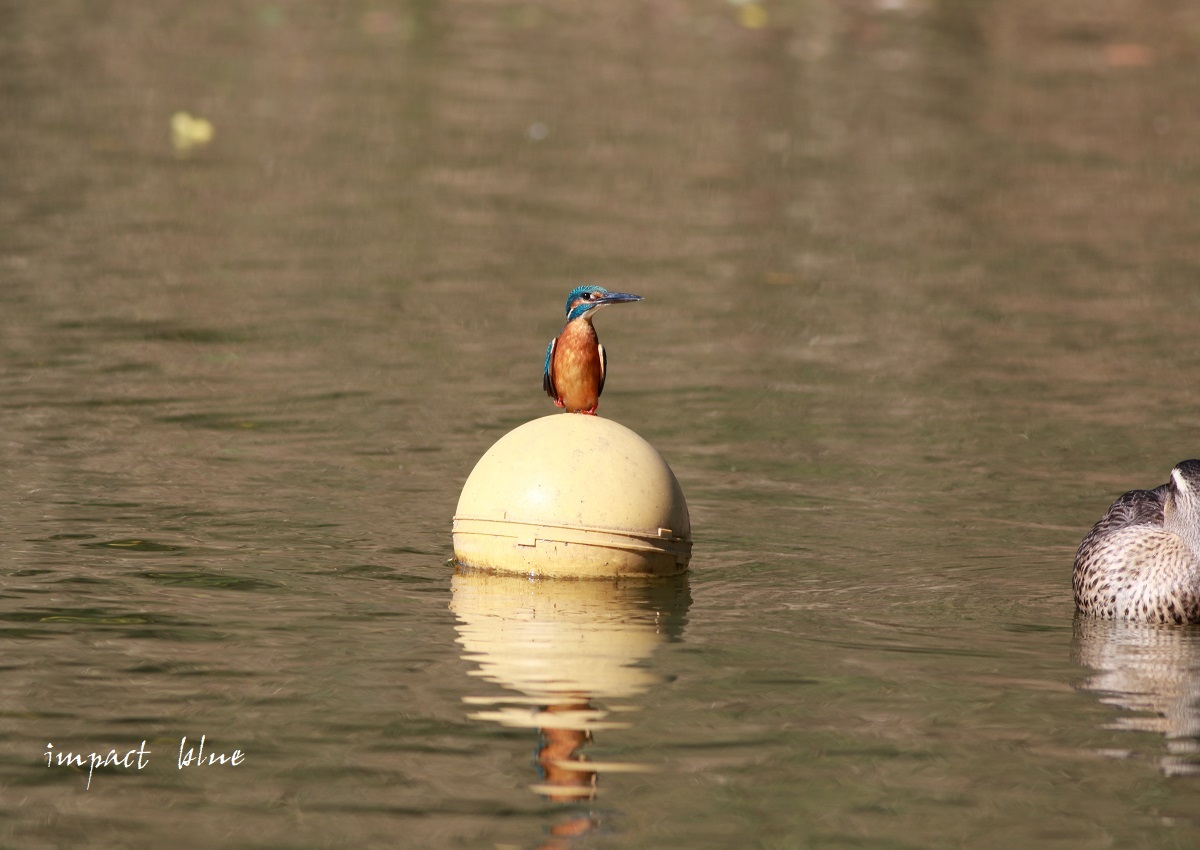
<point x="617" y="298"/>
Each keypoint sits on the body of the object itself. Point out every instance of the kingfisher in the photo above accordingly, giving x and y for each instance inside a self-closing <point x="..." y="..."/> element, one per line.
<point x="575" y="360"/>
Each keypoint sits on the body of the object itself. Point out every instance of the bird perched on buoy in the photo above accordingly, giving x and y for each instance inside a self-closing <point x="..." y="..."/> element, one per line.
<point x="1141" y="561"/>
<point x="575" y="360"/>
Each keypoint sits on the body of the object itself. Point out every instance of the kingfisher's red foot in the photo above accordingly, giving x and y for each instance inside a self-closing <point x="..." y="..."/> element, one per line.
<point x="558" y="402"/>
<point x="591" y="411"/>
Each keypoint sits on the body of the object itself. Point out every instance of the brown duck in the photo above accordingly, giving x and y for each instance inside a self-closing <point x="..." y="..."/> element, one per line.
<point x="1141" y="561"/>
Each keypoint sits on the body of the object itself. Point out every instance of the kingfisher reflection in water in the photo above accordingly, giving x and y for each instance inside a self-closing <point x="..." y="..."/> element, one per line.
<point x="561" y="649"/>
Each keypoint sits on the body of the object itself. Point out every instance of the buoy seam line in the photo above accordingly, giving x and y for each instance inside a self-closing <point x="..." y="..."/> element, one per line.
<point x="486" y="563"/>
<point x="630" y="546"/>
<point x="641" y="535"/>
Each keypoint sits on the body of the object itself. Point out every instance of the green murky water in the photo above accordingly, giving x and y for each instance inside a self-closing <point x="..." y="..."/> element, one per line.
<point x="921" y="299"/>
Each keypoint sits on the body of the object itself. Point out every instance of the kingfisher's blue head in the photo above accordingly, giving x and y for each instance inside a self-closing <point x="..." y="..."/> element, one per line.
<point x="584" y="300"/>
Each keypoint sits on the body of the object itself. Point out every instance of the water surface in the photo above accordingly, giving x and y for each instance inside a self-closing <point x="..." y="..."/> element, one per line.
<point x="920" y="302"/>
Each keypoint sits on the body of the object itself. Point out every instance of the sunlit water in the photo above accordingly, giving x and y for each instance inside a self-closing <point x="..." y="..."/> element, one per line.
<point x="921" y="300"/>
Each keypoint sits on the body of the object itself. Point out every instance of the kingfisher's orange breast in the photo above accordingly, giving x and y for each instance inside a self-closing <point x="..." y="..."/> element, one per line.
<point x="578" y="373"/>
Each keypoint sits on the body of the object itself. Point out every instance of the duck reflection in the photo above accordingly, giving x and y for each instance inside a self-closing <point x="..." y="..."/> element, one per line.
<point x="572" y="651"/>
<point x="1152" y="670"/>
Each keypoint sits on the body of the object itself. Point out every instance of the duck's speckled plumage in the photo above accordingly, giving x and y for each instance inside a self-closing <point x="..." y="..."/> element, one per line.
<point x="1141" y="561"/>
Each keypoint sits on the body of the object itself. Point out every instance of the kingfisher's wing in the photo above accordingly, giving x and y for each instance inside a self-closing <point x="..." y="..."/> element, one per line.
<point x="603" y="367"/>
<point x="548" y="371"/>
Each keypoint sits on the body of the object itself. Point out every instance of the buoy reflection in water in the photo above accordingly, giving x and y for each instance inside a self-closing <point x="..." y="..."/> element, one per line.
<point x="570" y="653"/>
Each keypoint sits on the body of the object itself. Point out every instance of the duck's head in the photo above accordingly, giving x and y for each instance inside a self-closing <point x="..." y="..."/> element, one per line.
<point x="1181" y="507"/>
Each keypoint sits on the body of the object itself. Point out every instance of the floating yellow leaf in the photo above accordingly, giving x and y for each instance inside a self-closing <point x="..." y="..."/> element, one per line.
<point x="188" y="132"/>
<point x="752" y="16"/>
